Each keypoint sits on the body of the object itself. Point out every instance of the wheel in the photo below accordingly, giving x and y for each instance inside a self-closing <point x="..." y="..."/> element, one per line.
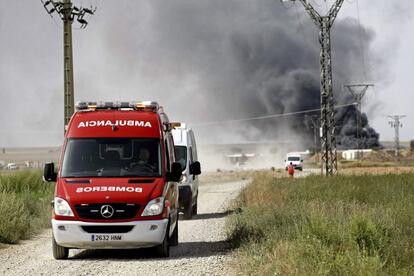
<point x="59" y="252"/>
<point x="163" y="250"/>
<point x="174" y="237"/>
<point x="188" y="210"/>
<point x="195" y="207"/>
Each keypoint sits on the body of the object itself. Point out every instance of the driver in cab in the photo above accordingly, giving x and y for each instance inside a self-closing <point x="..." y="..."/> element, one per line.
<point x="143" y="160"/>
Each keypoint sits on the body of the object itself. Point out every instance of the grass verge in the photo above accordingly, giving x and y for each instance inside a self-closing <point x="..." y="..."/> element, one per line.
<point x="344" y="225"/>
<point x="24" y="205"/>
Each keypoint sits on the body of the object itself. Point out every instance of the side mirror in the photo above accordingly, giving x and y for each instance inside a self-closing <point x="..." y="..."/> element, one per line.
<point x="176" y="172"/>
<point x="49" y="174"/>
<point x="195" y="168"/>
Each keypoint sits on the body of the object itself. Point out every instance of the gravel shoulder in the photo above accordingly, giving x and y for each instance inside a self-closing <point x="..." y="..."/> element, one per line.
<point x="202" y="248"/>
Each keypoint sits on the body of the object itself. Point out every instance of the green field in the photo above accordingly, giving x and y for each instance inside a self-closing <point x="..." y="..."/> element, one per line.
<point x="24" y="205"/>
<point x="343" y="225"/>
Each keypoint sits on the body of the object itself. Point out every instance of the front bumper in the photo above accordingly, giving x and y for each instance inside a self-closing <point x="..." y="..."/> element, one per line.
<point x="143" y="234"/>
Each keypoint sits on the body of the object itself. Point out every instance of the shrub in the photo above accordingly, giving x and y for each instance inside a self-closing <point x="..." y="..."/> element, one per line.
<point x="24" y="205"/>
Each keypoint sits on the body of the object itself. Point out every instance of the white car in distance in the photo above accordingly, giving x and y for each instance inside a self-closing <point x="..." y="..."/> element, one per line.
<point x="295" y="159"/>
<point x="11" y="166"/>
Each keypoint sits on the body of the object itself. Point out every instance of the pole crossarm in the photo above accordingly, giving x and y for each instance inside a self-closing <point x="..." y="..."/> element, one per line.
<point x="333" y="12"/>
<point x="396" y="117"/>
<point x="67" y="11"/>
<point x="315" y="16"/>
<point x="358" y="95"/>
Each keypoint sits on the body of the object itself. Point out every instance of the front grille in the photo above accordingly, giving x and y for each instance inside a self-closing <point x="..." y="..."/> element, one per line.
<point x="108" y="229"/>
<point x="120" y="211"/>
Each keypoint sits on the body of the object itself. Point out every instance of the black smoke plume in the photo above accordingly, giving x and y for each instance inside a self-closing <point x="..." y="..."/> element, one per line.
<point x="251" y="58"/>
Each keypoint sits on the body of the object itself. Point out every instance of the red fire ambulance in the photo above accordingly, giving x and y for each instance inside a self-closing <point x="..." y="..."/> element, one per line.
<point x="116" y="186"/>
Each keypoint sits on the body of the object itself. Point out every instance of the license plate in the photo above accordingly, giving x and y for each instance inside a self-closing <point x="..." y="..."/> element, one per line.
<point x="104" y="238"/>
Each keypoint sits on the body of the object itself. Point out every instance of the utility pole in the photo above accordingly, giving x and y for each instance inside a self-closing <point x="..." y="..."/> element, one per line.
<point x="67" y="12"/>
<point x="328" y="139"/>
<point x="396" y="124"/>
<point x="358" y="95"/>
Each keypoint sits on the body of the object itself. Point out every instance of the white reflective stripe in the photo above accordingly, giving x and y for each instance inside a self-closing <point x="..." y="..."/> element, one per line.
<point x="108" y="188"/>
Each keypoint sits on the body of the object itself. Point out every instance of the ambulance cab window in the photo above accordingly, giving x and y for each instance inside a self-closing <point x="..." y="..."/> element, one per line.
<point x="111" y="157"/>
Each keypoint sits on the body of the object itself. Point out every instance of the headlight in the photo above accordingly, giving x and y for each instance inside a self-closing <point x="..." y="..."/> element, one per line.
<point x="183" y="178"/>
<point x="154" y="207"/>
<point x="62" y="208"/>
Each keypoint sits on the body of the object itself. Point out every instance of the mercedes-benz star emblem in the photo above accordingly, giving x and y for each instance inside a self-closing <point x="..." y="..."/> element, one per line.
<point x="107" y="211"/>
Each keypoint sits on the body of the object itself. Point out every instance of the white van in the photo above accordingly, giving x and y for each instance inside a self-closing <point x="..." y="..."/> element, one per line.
<point x="186" y="155"/>
<point x="11" y="166"/>
<point x="296" y="160"/>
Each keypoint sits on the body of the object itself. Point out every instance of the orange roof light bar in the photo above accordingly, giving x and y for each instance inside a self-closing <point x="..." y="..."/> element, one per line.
<point x="137" y="105"/>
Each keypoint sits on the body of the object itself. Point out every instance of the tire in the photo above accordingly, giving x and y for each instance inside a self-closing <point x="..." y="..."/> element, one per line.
<point x="163" y="250"/>
<point x="174" y="237"/>
<point x="188" y="211"/>
<point x="59" y="252"/>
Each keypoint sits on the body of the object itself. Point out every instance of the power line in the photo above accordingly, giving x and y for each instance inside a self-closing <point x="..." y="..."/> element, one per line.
<point x="267" y="116"/>
<point x="361" y="43"/>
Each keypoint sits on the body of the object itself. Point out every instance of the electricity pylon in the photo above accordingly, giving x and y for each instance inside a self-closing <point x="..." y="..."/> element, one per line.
<point x="358" y="95"/>
<point x="67" y="12"/>
<point x="328" y="139"/>
<point x="396" y="124"/>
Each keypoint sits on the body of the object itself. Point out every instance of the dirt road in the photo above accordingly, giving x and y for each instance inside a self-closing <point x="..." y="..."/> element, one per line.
<point x="202" y="249"/>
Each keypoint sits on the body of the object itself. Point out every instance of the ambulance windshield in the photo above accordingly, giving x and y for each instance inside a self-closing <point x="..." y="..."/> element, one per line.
<point x="111" y="157"/>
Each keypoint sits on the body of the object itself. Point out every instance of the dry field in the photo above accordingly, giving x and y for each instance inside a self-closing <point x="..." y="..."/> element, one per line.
<point x="24" y="156"/>
<point x="377" y="170"/>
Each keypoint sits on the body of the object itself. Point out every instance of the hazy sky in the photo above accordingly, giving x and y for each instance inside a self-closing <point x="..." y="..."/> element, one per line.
<point x="134" y="49"/>
<point x="392" y="22"/>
